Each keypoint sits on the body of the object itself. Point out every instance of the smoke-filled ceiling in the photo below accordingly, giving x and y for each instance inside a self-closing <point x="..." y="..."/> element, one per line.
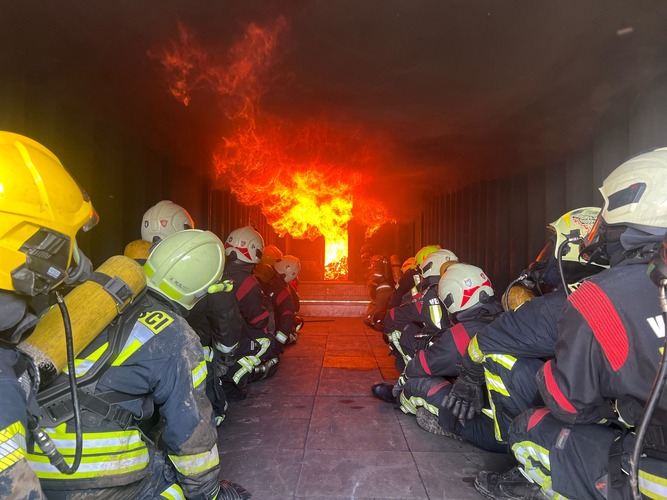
<point x="379" y="100"/>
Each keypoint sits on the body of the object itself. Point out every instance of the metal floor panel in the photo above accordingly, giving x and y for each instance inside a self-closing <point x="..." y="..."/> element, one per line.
<point x="315" y="431"/>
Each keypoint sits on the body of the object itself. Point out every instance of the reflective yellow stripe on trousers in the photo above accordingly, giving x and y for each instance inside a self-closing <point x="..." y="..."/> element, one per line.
<point x="190" y="465"/>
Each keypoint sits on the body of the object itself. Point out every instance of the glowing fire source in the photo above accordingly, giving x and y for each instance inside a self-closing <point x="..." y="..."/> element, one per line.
<point x="304" y="177"/>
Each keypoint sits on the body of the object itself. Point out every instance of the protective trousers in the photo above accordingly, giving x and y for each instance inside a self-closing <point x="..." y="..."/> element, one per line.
<point x="578" y="461"/>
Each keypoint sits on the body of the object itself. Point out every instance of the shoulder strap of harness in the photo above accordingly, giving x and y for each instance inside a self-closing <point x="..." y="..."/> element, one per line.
<point x="55" y="401"/>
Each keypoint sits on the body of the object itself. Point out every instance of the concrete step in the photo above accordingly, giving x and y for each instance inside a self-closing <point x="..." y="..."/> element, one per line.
<point x="341" y="299"/>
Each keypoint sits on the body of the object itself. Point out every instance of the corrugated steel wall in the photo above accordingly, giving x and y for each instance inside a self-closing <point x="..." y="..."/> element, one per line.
<point x="499" y="225"/>
<point x="123" y="175"/>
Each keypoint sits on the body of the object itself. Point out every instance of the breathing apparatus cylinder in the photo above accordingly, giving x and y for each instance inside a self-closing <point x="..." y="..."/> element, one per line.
<point x="92" y="306"/>
<point x="137" y="249"/>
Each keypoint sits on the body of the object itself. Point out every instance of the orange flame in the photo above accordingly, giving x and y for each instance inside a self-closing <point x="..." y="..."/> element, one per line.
<point x="306" y="178"/>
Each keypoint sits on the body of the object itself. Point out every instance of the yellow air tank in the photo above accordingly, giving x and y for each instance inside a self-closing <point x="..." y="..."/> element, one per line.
<point x="137" y="249"/>
<point x="518" y="295"/>
<point x="91" y="308"/>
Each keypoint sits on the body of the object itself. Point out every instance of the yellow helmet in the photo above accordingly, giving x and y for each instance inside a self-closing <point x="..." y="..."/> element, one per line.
<point x="425" y="252"/>
<point x="410" y="263"/>
<point x="270" y="255"/>
<point x="42" y="208"/>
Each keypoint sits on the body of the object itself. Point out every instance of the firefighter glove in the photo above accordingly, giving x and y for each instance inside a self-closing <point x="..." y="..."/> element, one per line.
<point x="467" y="395"/>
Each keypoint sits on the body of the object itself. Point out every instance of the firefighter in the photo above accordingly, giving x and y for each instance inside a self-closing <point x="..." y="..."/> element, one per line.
<point x="148" y="359"/>
<point x="159" y="221"/>
<point x="468" y="296"/>
<point x="422" y="316"/>
<point x="278" y="291"/>
<point x="411" y="277"/>
<point x="610" y="336"/>
<point x="380" y="284"/>
<point x="257" y="353"/>
<point x="42" y="209"/>
<point x="218" y="322"/>
<point x="507" y="354"/>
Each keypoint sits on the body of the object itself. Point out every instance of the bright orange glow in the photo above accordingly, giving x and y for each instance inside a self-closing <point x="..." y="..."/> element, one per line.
<point x="305" y="177"/>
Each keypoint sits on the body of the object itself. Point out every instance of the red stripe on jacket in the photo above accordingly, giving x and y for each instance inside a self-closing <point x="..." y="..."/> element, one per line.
<point x="461" y="338"/>
<point x="555" y="391"/>
<point x="601" y="315"/>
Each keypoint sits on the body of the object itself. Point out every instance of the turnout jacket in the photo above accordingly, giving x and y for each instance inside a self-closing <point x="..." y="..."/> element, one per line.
<point x="16" y="478"/>
<point x="608" y="349"/>
<point x="424" y="310"/>
<point x="250" y="299"/>
<point x="443" y="357"/>
<point x="282" y="303"/>
<point x="151" y="358"/>
<point x="530" y="331"/>
<point x="408" y="280"/>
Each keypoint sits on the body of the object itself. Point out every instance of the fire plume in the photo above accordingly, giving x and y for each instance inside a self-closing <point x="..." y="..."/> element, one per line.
<point x="305" y="177"/>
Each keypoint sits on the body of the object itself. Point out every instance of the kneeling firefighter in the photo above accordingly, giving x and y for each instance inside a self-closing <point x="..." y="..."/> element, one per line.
<point x="41" y="211"/>
<point x="148" y="358"/>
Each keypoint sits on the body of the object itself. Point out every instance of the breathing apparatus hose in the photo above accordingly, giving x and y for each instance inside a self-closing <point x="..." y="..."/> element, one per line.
<point x="42" y="438"/>
<point x="658" y="273"/>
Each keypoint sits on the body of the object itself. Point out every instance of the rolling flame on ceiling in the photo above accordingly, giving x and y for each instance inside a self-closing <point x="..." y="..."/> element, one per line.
<point x="306" y="178"/>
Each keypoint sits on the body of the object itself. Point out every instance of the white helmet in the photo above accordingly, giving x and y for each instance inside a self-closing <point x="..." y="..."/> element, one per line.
<point x="635" y="193"/>
<point x="289" y="266"/>
<point x="184" y="265"/>
<point x="463" y="286"/>
<point x="163" y="219"/>
<point x="244" y="244"/>
<point x="436" y="263"/>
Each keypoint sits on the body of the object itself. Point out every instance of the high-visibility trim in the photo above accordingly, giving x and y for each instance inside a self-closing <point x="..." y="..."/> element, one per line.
<point x="461" y="338"/>
<point x="247" y="364"/>
<point x="105" y="454"/>
<point x="502" y="359"/>
<point x="92" y="466"/>
<point x="554" y="390"/>
<point x="495" y="383"/>
<point x="652" y="486"/>
<point x="265" y="344"/>
<point x="208" y="354"/>
<point x="169" y="290"/>
<point x="82" y="365"/>
<point x="281" y="337"/>
<point x="395" y="337"/>
<point x="474" y="351"/>
<point x="191" y="465"/>
<point x="527" y="453"/>
<point x="174" y="492"/>
<point x="601" y="315"/>
<point x="139" y="335"/>
<point x="223" y="348"/>
<point x="12" y="445"/>
<point x="410" y="405"/>
<point x="199" y="374"/>
<point x="96" y="442"/>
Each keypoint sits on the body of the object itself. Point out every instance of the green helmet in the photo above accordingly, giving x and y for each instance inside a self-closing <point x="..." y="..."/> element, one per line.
<point x="425" y="252"/>
<point x="184" y="265"/>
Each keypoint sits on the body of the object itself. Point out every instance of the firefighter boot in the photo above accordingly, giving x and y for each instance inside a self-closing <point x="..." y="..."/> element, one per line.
<point x="511" y="484"/>
<point x="384" y="391"/>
